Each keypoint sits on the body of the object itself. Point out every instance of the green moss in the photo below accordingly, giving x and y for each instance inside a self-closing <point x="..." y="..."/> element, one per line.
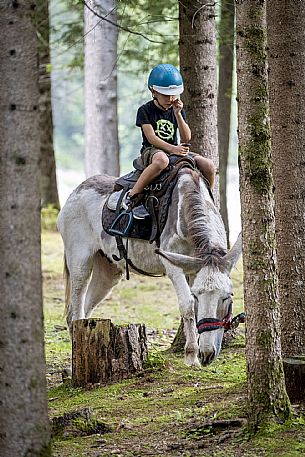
<point x="46" y="451"/>
<point x="90" y="427"/>
<point x="155" y="359"/>
<point x="254" y="39"/>
<point x="265" y="338"/>
<point x="256" y="153"/>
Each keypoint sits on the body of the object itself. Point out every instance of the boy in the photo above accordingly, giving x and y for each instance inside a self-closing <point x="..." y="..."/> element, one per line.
<point x="159" y="120"/>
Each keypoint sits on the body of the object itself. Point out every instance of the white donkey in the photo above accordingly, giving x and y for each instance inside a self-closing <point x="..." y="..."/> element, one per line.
<point x="192" y="254"/>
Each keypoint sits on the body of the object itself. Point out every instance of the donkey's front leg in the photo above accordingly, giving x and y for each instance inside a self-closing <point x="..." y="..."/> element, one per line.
<point x="187" y="311"/>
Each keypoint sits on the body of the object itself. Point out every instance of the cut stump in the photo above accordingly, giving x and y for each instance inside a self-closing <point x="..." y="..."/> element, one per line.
<point x="103" y="352"/>
<point x="294" y="369"/>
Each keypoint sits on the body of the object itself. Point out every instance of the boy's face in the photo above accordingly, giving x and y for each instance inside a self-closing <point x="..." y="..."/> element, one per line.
<point x="165" y="101"/>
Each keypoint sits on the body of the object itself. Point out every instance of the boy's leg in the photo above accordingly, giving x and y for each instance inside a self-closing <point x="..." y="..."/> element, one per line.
<point x="206" y="167"/>
<point x="158" y="163"/>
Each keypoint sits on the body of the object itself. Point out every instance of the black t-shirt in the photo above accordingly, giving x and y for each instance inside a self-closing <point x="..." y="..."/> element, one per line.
<point x="164" y="123"/>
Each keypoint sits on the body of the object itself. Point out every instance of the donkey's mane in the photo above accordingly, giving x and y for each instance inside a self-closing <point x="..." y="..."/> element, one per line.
<point x="197" y="222"/>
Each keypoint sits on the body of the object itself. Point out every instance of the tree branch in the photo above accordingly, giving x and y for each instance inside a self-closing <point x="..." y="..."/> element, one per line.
<point x="126" y="29"/>
<point x="199" y="9"/>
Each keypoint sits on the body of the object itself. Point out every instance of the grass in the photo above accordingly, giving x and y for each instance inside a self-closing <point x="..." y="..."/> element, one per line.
<point x="168" y="410"/>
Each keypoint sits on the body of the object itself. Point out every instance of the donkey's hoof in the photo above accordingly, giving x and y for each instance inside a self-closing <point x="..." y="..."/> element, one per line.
<point x="192" y="361"/>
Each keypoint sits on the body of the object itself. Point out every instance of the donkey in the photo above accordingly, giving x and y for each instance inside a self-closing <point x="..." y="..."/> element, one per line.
<point x="192" y="254"/>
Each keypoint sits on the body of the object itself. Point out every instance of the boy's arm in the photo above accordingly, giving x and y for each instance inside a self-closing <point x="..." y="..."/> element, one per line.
<point x="154" y="140"/>
<point x="184" y="130"/>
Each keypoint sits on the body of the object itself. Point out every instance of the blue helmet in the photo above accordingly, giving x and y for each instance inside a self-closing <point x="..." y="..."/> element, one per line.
<point x="166" y="80"/>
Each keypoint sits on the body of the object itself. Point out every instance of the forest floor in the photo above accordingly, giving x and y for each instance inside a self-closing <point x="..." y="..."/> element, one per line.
<point x="169" y="409"/>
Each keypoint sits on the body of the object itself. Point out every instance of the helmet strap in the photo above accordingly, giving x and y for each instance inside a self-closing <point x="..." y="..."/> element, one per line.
<point x="159" y="104"/>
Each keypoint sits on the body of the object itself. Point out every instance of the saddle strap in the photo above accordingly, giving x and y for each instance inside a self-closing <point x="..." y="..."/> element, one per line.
<point x="152" y="203"/>
<point x="128" y="263"/>
<point x="142" y="272"/>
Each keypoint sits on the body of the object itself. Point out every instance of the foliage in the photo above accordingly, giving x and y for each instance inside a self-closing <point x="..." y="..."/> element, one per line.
<point x="48" y="217"/>
<point x="155" y="360"/>
<point x="158" y="21"/>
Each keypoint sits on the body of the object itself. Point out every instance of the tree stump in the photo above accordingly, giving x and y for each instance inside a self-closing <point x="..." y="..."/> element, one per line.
<point x="103" y="352"/>
<point x="294" y="369"/>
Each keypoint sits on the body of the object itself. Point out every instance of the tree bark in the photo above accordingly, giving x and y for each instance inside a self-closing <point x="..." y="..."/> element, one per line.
<point x="286" y="43"/>
<point x="101" y="119"/>
<point x="226" y="57"/>
<point x="267" y="398"/>
<point x="23" y="409"/>
<point x="104" y="353"/>
<point x="179" y="341"/>
<point x="48" y="182"/>
<point x="197" y="48"/>
<point x="294" y="369"/>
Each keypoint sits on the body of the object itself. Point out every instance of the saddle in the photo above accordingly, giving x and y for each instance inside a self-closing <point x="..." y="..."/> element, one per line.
<point x="147" y="219"/>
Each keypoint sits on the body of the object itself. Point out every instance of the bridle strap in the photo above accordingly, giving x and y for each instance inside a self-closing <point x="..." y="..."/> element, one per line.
<point x="210" y="323"/>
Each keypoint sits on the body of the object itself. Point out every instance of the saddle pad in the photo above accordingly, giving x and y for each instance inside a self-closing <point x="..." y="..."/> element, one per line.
<point x="141" y="229"/>
<point x="113" y="199"/>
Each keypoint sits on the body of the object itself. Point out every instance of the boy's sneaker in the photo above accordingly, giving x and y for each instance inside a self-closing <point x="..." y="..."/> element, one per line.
<point x="132" y="202"/>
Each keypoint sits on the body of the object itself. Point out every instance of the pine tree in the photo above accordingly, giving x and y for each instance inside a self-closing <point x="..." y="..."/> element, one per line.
<point x="101" y="120"/>
<point x="226" y="59"/>
<point x="267" y="398"/>
<point x="23" y="412"/>
<point x="48" y="182"/>
<point x="198" y="64"/>
<point x="287" y="107"/>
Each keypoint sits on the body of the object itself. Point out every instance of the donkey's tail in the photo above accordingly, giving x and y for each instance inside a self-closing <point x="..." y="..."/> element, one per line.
<point x="66" y="275"/>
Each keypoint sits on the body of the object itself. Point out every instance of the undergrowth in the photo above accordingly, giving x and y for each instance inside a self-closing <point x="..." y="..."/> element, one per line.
<point x="169" y="409"/>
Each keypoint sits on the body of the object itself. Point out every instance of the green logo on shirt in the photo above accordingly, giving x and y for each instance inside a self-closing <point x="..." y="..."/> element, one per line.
<point x="165" y="129"/>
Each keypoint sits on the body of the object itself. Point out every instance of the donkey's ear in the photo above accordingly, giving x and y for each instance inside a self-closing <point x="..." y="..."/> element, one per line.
<point x="232" y="257"/>
<point x="187" y="263"/>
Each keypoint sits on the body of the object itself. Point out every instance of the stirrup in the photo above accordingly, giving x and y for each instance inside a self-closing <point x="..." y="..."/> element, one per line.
<point x="125" y="231"/>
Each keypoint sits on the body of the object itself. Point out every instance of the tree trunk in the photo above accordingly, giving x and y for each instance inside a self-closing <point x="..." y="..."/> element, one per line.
<point x="198" y="65"/>
<point x="267" y="398"/>
<point x="104" y="353"/>
<point x="48" y="183"/>
<point x="226" y="54"/>
<point x="179" y="341"/>
<point x="294" y="369"/>
<point x="23" y="416"/>
<point x="101" y="120"/>
<point x="197" y="48"/>
<point x="286" y="43"/>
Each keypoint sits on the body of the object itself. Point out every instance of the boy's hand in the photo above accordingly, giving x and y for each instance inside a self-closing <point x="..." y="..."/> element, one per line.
<point x="177" y="106"/>
<point x="180" y="150"/>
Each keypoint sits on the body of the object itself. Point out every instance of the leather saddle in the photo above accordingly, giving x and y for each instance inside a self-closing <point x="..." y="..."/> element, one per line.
<point x="147" y="219"/>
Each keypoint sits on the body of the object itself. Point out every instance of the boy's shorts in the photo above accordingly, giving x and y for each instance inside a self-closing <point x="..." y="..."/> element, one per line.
<point x="150" y="151"/>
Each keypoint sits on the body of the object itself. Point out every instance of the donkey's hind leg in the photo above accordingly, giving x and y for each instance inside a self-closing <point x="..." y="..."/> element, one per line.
<point x="105" y="276"/>
<point x="79" y="270"/>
